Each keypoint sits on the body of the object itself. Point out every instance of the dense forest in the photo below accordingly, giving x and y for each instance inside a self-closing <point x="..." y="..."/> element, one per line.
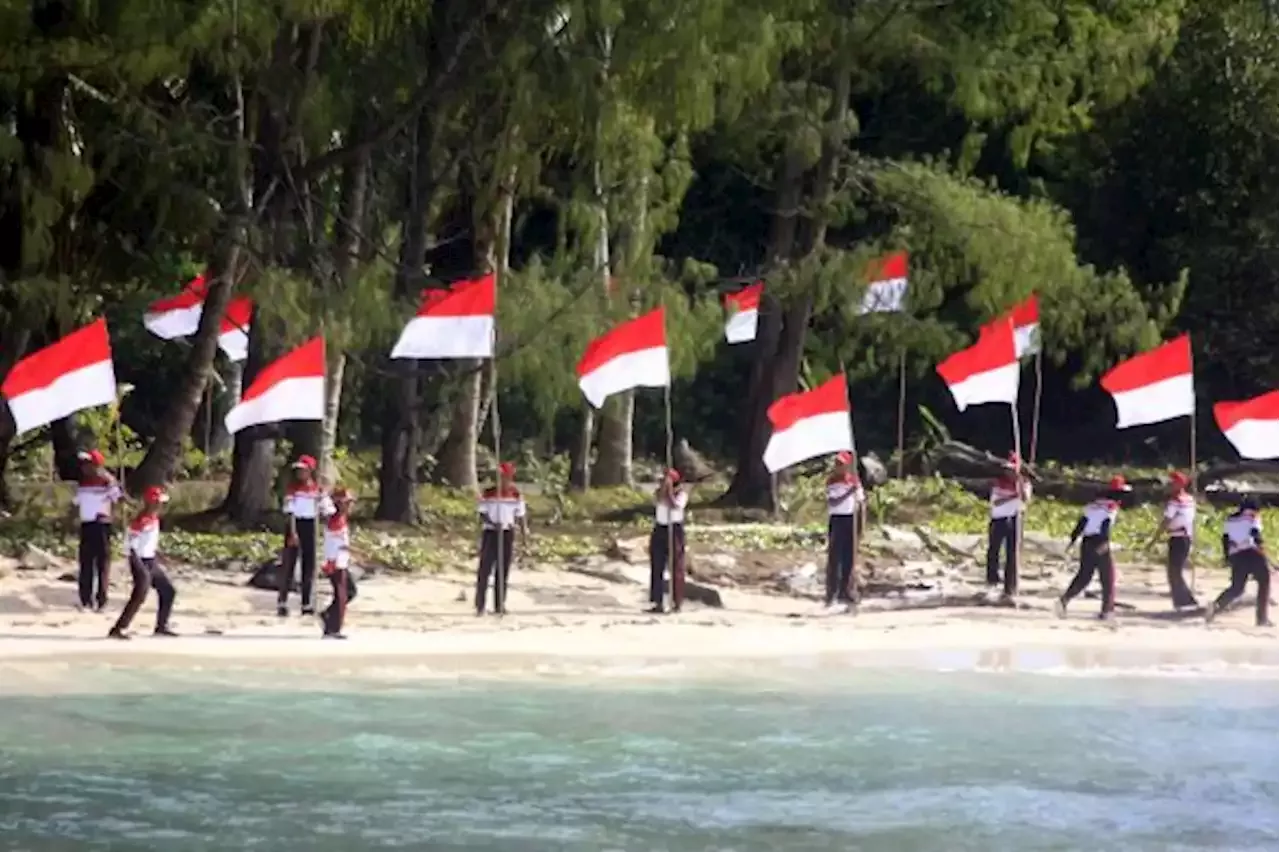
<point x="333" y="158"/>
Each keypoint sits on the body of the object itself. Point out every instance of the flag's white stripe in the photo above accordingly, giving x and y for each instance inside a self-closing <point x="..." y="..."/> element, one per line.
<point x="1156" y="402"/>
<point x="644" y="368"/>
<point x="884" y="296"/>
<point x="1026" y="338"/>
<point x="291" y="399"/>
<point x="998" y="385"/>
<point x="235" y="343"/>
<point x="819" y="435"/>
<point x="446" y="337"/>
<point x="170" y="325"/>
<point x="77" y="390"/>
<point x="1255" y="439"/>
<point x="741" y="327"/>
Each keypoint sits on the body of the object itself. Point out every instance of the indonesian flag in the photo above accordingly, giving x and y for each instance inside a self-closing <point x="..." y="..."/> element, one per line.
<point x="1025" y="317"/>
<point x="453" y="323"/>
<point x="633" y="355"/>
<point x="179" y="316"/>
<point x="1252" y="426"/>
<point x="808" y="424"/>
<point x="65" y="377"/>
<point x="985" y="372"/>
<point x="744" y="311"/>
<point x="1154" y="386"/>
<point x="888" y="287"/>
<point x="291" y="388"/>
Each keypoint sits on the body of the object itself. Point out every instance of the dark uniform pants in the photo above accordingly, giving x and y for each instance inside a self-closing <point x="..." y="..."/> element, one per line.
<point x="147" y="575"/>
<point x="841" y="545"/>
<point x="289" y="557"/>
<point x="95" y="562"/>
<point x="1245" y="565"/>
<point x="1095" y="558"/>
<point x="661" y="541"/>
<point x="1003" y="533"/>
<point x="1179" y="556"/>
<point x="344" y="592"/>
<point x="489" y="566"/>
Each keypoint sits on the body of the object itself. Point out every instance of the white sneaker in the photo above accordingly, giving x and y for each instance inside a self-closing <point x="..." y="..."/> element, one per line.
<point x="1059" y="608"/>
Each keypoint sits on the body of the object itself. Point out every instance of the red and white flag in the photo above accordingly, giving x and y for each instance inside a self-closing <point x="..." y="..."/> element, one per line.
<point x="887" y="290"/>
<point x="453" y="323"/>
<point x="179" y="316"/>
<point x="1025" y="317"/>
<point x="65" y="377"/>
<point x="633" y="355"/>
<point x="744" y="313"/>
<point x="291" y="388"/>
<point x="1252" y="425"/>
<point x="1154" y="386"/>
<point x="808" y="424"/>
<point x="985" y="372"/>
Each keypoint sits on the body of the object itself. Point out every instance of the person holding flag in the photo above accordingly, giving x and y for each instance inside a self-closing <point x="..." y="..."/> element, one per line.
<point x="846" y="507"/>
<point x="1094" y="531"/>
<point x="501" y="509"/>
<point x="337" y="560"/>
<point x="142" y="547"/>
<point x="1009" y="495"/>
<point x="666" y="542"/>
<point x="1243" y="550"/>
<point x="96" y="494"/>
<point x="1178" y="525"/>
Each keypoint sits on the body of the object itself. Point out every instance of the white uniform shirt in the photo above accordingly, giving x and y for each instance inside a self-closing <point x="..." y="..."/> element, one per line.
<point x="1097" y="513"/>
<point x="837" y="486"/>
<point x="337" y="542"/>
<point x="94" y="498"/>
<point x="1180" y="512"/>
<point x="501" y="509"/>
<point x="1005" y="488"/>
<point x="1239" y="530"/>
<point x="666" y="515"/>
<point x="144" y="536"/>
<point x="303" y="501"/>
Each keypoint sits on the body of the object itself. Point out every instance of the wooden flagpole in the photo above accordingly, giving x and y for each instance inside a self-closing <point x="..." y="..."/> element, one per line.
<point x="1035" y="407"/>
<point x="1191" y="556"/>
<point x="1017" y="451"/>
<point x="853" y="521"/>
<point x="671" y="527"/>
<point x="495" y="423"/>
<point x="902" y="407"/>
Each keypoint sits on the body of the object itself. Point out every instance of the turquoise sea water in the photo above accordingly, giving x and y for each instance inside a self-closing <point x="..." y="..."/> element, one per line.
<point x="878" y="760"/>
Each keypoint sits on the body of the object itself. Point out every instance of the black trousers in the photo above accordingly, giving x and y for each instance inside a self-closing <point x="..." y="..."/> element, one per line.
<point x="1003" y="533"/>
<point x="660" y="553"/>
<point x="95" y="562"/>
<point x="147" y="575"/>
<point x="289" y="557"/>
<point x="1095" y="558"/>
<point x="1179" y="556"/>
<point x="1245" y="565"/>
<point x="841" y="545"/>
<point x="344" y="592"/>
<point x="489" y="566"/>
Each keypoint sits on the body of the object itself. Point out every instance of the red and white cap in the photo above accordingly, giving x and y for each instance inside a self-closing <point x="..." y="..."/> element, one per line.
<point x="91" y="456"/>
<point x="156" y="494"/>
<point x="305" y="462"/>
<point x="1118" y="484"/>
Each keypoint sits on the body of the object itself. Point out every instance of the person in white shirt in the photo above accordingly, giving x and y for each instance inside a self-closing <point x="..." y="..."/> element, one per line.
<point x="1244" y="551"/>
<point x="97" y="492"/>
<point x="1178" y="524"/>
<point x="302" y="502"/>
<point x="143" y="548"/>
<point x="1094" y="531"/>
<point x="337" y="560"/>
<point x="1009" y="494"/>
<point x="666" y="542"/>
<point x="502" y="510"/>
<point x="846" y="501"/>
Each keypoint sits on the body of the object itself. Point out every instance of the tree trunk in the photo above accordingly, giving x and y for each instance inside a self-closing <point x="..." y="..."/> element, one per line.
<point x="580" y="454"/>
<point x="457" y="462"/>
<point x="226" y="398"/>
<point x="329" y="429"/>
<point x="613" y="462"/>
<point x="66" y="446"/>
<point x="13" y="343"/>
<point x="253" y="476"/>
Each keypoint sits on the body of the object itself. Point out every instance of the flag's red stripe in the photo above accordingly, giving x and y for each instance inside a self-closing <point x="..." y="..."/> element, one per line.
<point x="643" y="332"/>
<point x="995" y="348"/>
<point x="1265" y="407"/>
<point x="1164" y="362"/>
<point x="475" y="297"/>
<point x="79" y="349"/>
<point x="828" y="398"/>
<point x="746" y="299"/>
<point x="888" y="268"/>
<point x="305" y="362"/>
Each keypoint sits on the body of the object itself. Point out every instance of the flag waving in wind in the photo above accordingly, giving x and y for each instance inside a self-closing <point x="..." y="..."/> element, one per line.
<point x="887" y="289"/>
<point x="985" y="372"/>
<point x="809" y="424"/>
<point x="744" y="313"/>
<point x="65" y="377"/>
<point x="632" y="355"/>
<point x="179" y="316"/>
<point x="1252" y="426"/>
<point x="1025" y="317"/>
<point x="291" y="388"/>
<point x="1154" y="386"/>
<point x="453" y="323"/>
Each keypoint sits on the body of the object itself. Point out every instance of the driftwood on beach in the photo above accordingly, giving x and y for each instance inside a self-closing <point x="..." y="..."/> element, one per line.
<point x="1222" y="484"/>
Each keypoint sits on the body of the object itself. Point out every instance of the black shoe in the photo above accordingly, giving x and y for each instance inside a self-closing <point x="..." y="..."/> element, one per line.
<point x="164" y="631"/>
<point x="656" y="610"/>
<point x="479" y="612"/>
<point x="308" y="611"/>
<point x="282" y="610"/>
<point x="1266" y="622"/>
<point x="333" y="636"/>
<point x="117" y="633"/>
<point x="100" y="606"/>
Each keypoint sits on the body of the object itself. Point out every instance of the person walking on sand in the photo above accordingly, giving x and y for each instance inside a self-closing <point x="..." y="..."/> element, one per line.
<point x="501" y="509"/>
<point x="1095" y="524"/>
<point x="302" y="502"/>
<point x="1243" y="550"/>
<point x="97" y="492"/>
<point x="666" y="542"/>
<point x="142" y="546"/>
<point x="1009" y="494"/>
<point x="1178" y="525"/>
<point x="846" y="501"/>
<point x="337" y="560"/>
